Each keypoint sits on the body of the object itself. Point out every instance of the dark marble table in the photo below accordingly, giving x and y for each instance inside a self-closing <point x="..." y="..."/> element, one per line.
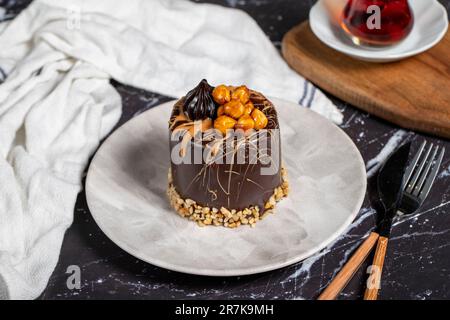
<point x="418" y="259"/>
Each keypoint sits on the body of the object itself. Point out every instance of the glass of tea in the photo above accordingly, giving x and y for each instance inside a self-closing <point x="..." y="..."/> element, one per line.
<point x="377" y="22"/>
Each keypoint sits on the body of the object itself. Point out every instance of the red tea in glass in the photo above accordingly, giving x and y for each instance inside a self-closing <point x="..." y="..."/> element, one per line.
<point x="377" y="22"/>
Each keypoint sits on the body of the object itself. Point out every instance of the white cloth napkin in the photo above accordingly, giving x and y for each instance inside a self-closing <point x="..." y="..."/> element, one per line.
<point x="56" y="103"/>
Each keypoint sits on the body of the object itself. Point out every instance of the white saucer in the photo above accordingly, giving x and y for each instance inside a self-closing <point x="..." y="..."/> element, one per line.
<point x="430" y="26"/>
<point x="126" y="193"/>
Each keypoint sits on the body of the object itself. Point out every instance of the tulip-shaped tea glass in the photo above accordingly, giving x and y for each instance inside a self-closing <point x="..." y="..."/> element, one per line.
<point x="377" y="22"/>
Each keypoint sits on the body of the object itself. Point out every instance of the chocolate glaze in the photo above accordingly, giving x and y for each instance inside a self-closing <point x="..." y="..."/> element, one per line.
<point x="229" y="185"/>
<point x="199" y="103"/>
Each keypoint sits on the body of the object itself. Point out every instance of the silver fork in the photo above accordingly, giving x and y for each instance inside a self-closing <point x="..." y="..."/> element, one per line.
<point x="420" y="176"/>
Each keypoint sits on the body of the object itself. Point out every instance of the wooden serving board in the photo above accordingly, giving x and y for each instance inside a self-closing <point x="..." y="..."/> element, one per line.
<point x="412" y="93"/>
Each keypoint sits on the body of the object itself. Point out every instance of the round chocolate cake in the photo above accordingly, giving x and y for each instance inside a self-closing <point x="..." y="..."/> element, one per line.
<point x="225" y="156"/>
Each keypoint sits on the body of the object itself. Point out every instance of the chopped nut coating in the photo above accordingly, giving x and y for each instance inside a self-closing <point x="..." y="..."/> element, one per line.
<point x="205" y="216"/>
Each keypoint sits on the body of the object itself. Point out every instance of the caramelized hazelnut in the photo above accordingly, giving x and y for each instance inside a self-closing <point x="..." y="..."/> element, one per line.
<point x="220" y="111"/>
<point x="249" y="108"/>
<point x="223" y="123"/>
<point x="221" y="94"/>
<point x="234" y="109"/>
<point x="260" y="119"/>
<point x="242" y="94"/>
<point x="245" y="123"/>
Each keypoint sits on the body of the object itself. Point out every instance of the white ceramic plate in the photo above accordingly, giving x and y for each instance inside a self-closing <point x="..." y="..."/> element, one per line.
<point x="126" y="193"/>
<point x="430" y="26"/>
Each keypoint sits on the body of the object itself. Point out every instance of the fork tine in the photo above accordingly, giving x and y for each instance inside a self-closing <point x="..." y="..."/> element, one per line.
<point x="409" y="171"/>
<point x="417" y="173"/>
<point x="430" y="160"/>
<point x="430" y="179"/>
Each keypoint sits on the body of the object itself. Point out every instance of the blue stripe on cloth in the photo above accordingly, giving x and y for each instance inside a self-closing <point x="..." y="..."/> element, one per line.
<point x="305" y="91"/>
<point x="4" y="14"/>
<point x="2" y="75"/>
<point x="311" y="98"/>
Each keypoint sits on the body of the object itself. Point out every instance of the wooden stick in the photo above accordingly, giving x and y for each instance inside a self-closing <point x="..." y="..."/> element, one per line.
<point x="347" y="272"/>
<point x="376" y="270"/>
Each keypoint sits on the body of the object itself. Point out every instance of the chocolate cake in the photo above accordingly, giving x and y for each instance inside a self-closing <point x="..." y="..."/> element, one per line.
<point x="225" y="156"/>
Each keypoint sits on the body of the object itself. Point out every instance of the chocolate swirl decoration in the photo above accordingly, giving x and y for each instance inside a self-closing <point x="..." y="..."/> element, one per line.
<point x="199" y="104"/>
